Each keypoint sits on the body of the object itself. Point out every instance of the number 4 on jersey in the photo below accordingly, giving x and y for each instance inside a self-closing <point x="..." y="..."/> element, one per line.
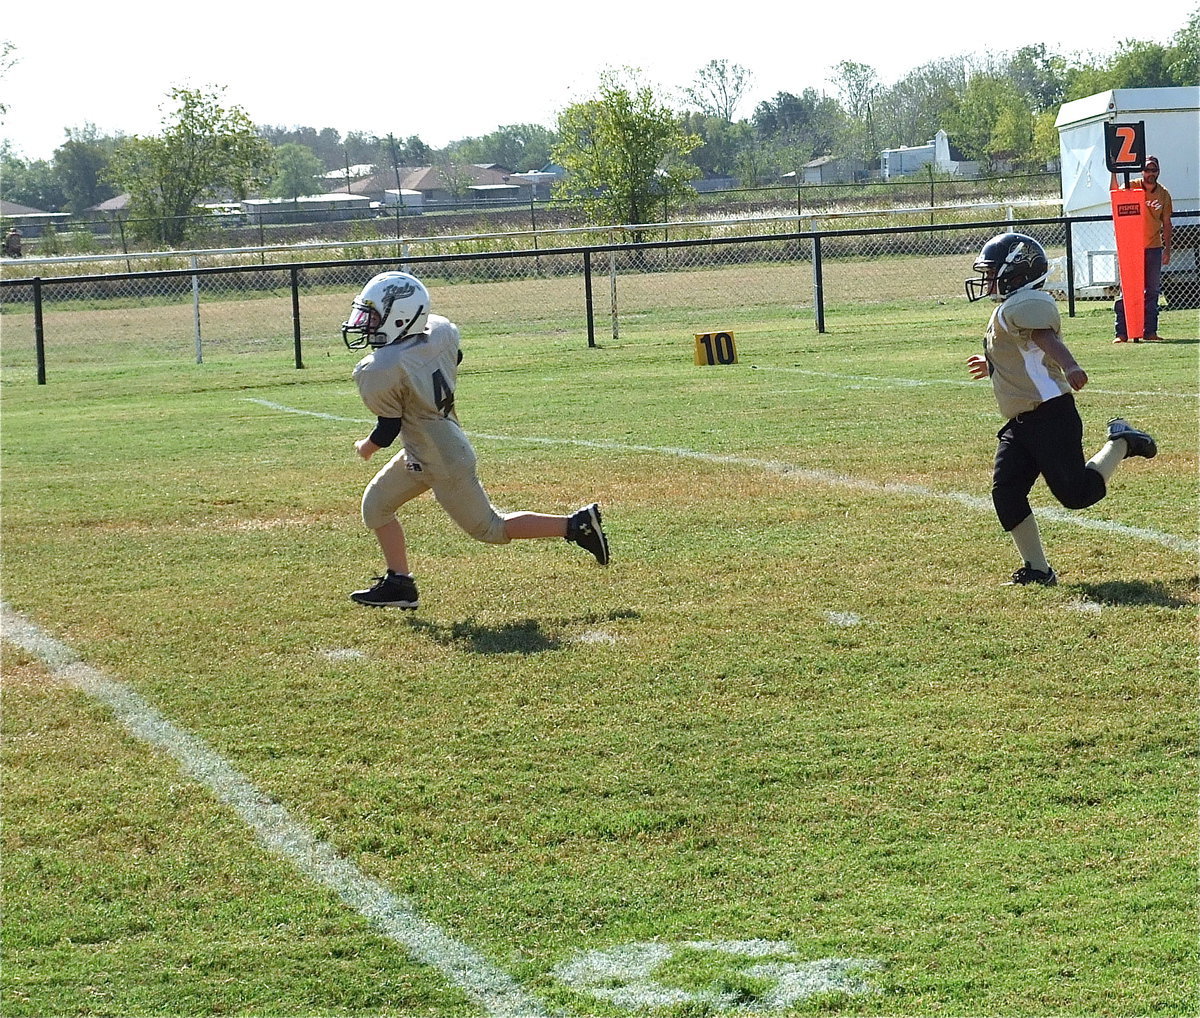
<point x="443" y="394"/>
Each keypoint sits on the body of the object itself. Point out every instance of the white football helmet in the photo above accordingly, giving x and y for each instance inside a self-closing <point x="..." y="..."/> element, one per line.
<point x="391" y="307"/>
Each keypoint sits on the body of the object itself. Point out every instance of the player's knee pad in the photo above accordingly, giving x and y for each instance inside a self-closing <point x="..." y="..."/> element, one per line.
<point x="489" y="530"/>
<point x="375" y="511"/>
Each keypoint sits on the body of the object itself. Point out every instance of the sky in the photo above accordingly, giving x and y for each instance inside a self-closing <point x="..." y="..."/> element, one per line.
<point x="463" y="69"/>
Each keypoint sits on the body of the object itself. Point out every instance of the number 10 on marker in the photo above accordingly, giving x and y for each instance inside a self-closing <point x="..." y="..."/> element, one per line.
<point x="715" y="348"/>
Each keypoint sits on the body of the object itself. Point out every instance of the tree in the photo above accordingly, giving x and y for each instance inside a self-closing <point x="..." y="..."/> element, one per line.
<point x="753" y="165"/>
<point x="915" y="108"/>
<point x="1142" y="65"/>
<point x="797" y="128"/>
<point x="1039" y="76"/>
<point x="7" y="59"/>
<point x="456" y="178"/>
<point x="1046" y="145"/>
<point x="625" y="153"/>
<point x="412" y="151"/>
<point x="993" y="121"/>
<point x="1133" y="64"/>
<point x="33" y="183"/>
<point x="325" y="144"/>
<point x="205" y="152"/>
<point x="719" y="88"/>
<point x="360" y="149"/>
<point x="520" y="147"/>
<point x="721" y="143"/>
<point x="858" y="85"/>
<point x="298" y="171"/>
<point x="809" y="115"/>
<point x="1185" y="62"/>
<point x="1012" y="133"/>
<point x="81" y="164"/>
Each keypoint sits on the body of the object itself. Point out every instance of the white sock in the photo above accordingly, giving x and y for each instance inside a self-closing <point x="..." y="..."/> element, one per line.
<point x="1028" y="540"/>
<point x="1106" y="461"/>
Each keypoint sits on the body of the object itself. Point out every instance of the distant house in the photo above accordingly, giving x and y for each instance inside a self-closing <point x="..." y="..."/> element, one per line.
<point x="355" y="172"/>
<point x="119" y="203"/>
<point x="28" y="220"/>
<point x="495" y="192"/>
<point x="540" y="181"/>
<point x="828" y="170"/>
<point x="703" y="185"/>
<point x="430" y="181"/>
<point x="311" y="208"/>
<point x="404" y="199"/>
<point x="945" y="158"/>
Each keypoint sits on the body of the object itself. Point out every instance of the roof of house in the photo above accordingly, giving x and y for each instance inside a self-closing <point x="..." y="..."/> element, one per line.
<point x="356" y="171"/>
<point x="11" y="208"/>
<point x="422" y="178"/>
<point x="115" y="204"/>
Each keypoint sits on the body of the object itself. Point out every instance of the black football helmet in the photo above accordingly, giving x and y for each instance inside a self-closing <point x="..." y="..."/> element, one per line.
<point x="1008" y="262"/>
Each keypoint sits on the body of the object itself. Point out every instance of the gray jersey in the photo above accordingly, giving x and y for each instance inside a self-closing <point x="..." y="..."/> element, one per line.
<point x="1023" y="375"/>
<point x="414" y="380"/>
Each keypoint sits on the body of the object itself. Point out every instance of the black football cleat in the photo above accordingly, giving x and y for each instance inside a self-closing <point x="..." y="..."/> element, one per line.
<point x="584" y="529"/>
<point x="1026" y="575"/>
<point x="1137" y="443"/>
<point x="392" y="590"/>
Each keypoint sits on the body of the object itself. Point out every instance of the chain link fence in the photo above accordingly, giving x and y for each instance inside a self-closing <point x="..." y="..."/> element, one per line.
<point x="581" y="294"/>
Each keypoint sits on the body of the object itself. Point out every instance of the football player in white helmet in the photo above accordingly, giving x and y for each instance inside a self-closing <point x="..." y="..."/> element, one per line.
<point x="408" y="381"/>
<point x="1033" y="377"/>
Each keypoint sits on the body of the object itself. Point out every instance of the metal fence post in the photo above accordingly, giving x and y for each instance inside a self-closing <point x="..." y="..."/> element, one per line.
<point x="587" y="297"/>
<point x="296" y="316"/>
<point x="1070" y="271"/>
<point x="818" y="284"/>
<point x="612" y="286"/>
<point x="39" y="332"/>
<point x="196" y="311"/>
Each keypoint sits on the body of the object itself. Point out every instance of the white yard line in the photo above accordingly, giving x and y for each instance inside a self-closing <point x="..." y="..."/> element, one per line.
<point x="908" y="383"/>
<point x="1186" y="545"/>
<point x="396" y="918"/>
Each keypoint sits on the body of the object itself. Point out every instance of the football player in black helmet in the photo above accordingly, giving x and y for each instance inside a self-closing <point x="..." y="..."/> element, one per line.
<point x="1034" y="377"/>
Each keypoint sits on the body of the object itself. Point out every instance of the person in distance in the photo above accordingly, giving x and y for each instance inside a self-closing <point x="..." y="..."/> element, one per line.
<point x="1157" y="237"/>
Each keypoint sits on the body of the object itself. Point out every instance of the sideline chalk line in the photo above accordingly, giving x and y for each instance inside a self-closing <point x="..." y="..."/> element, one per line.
<point x="1187" y="546"/>
<point x="496" y="991"/>
<point x="918" y="382"/>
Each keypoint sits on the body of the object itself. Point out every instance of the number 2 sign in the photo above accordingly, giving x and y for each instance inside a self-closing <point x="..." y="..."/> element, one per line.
<point x="1125" y="147"/>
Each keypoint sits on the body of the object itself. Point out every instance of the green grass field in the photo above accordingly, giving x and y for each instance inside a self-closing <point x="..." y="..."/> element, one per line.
<point x="796" y="751"/>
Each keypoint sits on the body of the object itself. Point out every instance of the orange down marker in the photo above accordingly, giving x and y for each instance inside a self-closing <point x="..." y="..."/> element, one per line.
<point x="1129" y="206"/>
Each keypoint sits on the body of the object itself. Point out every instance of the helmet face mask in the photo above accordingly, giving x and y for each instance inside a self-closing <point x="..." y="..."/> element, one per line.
<point x="363" y="320"/>
<point x="1008" y="262"/>
<point x="391" y="307"/>
<point x="983" y="285"/>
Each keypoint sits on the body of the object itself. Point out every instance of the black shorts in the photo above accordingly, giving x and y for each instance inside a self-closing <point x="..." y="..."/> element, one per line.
<point x="1046" y="442"/>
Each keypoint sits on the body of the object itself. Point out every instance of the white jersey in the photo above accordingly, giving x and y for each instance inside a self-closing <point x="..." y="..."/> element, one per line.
<point x="414" y="380"/>
<point x="1023" y="375"/>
